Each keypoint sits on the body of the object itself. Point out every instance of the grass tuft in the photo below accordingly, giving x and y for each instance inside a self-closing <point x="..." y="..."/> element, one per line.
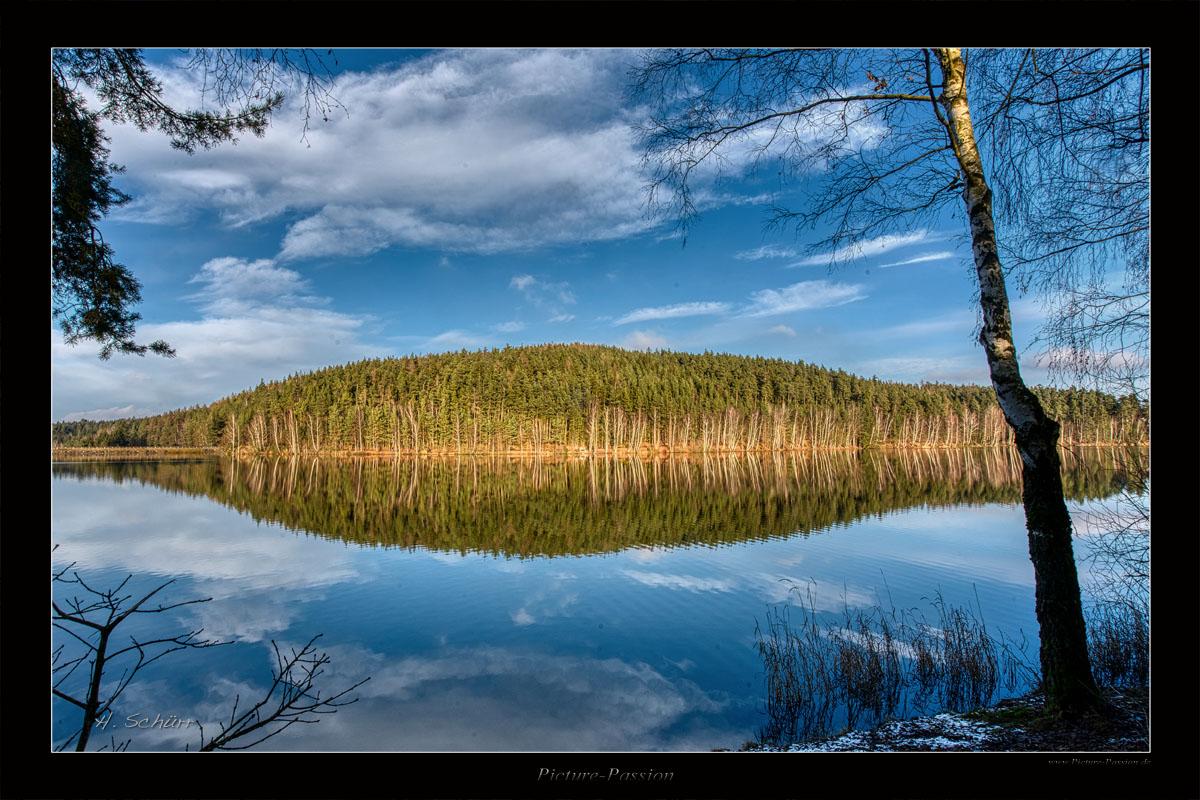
<point x="874" y="665"/>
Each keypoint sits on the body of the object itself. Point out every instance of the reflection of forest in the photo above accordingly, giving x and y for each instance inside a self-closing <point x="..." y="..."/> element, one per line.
<point x="534" y="507"/>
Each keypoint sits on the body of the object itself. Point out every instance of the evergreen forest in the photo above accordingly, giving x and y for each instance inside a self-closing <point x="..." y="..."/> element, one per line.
<point x="598" y="399"/>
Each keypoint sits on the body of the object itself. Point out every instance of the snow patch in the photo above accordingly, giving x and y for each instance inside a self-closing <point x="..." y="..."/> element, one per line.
<point x="940" y="732"/>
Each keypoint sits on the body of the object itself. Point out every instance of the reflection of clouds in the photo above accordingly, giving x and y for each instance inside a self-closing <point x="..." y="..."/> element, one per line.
<point x="159" y="699"/>
<point x="549" y="601"/>
<point x="484" y="699"/>
<point x="646" y="555"/>
<point x="449" y="559"/>
<point x="158" y="715"/>
<point x="248" y="617"/>
<point x="686" y="582"/>
<point x="774" y="587"/>
<point x="665" y="602"/>
<point x="499" y="699"/>
<point x="683" y="665"/>
<point x="151" y="700"/>
<point x="80" y="506"/>
<point x="904" y="649"/>
<point x="792" y="560"/>
<point x="252" y="574"/>
<point x="141" y="533"/>
<point x="820" y="595"/>
<point x="983" y="542"/>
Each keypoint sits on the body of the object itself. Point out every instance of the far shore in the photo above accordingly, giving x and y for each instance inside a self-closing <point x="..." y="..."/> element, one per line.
<point x="128" y="453"/>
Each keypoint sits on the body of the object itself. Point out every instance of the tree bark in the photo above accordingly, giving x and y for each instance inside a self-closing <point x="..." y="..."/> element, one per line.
<point x="1066" y="673"/>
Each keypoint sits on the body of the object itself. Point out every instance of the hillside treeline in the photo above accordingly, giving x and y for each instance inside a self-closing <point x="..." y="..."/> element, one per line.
<point x="600" y="399"/>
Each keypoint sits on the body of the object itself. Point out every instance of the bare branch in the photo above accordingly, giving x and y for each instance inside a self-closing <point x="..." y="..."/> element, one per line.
<point x="68" y="698"/>
<point x="294" y="678"/>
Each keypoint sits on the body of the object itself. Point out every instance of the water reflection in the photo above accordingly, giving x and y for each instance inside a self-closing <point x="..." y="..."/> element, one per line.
<point x="475" y="645"/>
<point x="540" y="507"/>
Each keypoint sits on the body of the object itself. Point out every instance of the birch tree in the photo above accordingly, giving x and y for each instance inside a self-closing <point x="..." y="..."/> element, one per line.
<point x="883" y="140"/>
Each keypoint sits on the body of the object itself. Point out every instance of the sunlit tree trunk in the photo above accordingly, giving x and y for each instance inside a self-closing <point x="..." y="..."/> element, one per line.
<point x="1066" y="673"/>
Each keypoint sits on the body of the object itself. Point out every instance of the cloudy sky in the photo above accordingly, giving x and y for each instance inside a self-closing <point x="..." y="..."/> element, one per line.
<point x="472" y="199"/>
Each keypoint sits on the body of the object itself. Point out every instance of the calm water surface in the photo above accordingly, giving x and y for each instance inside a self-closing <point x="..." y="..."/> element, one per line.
<point x="522" y="605"/>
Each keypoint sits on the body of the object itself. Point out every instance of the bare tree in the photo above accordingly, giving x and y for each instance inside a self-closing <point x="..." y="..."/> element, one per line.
<point x="1068" y="133"/>
<point x="885" y="139"/>
<point x="90" y="622"/>
<point x="291" y="698"/>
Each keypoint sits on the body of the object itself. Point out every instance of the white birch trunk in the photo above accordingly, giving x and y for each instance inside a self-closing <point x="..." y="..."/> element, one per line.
<point x="1066" y="672"/>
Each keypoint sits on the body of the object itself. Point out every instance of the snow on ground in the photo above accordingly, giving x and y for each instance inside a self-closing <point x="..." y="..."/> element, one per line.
<point x="939" y="732"/>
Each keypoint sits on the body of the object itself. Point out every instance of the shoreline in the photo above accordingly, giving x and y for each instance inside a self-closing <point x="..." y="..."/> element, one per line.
<point x="648" y="453"/>
<point x="1014" y="725"/>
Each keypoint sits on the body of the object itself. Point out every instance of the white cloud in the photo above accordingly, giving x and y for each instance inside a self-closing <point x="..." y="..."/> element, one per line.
<point x="962" y="321"/>
<point x="671" y="312"/>
<point x="235" y="285"/>
<point x="1027" y="309"/>
<point x="644" y="340"/>
<point x="206" y="179"/>
<point x="116" y="412"/>
<point x="943" y="255"/>
<point x="1117" y="360"/>
<point x="453" y="340"/>
<point x="551" y="297"/>
<point x="865" y="249"/>
<point x="766" y="251"/>
<point x="724" y="198"/>
<point x="257" y="323"/>
<point x="803" y="296"/>
<point x="481" y="150"/>
<point x="800" y="140"/>
<point x="353" y="230"/>
<point x="522" y="282"/>
<point x="915" y="369"/>
<point x="510" y="327"/>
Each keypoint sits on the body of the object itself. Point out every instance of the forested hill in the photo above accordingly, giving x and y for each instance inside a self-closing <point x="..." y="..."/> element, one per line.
<point x="599" y="399"/>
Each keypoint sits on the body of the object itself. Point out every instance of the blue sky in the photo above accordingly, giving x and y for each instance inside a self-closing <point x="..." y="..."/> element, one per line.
<point x="470" y="199"/>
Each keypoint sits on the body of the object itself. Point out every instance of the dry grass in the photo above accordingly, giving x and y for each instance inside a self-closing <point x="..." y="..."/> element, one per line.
<point x="1119" y="644"/>
<point x="874" y="665"/>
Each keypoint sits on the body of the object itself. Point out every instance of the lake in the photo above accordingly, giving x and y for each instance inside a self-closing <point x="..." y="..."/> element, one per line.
<point x="513" y="605"/>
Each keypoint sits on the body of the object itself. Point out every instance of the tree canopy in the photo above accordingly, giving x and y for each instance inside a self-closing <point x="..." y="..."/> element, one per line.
<point x="94" y="294"/>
